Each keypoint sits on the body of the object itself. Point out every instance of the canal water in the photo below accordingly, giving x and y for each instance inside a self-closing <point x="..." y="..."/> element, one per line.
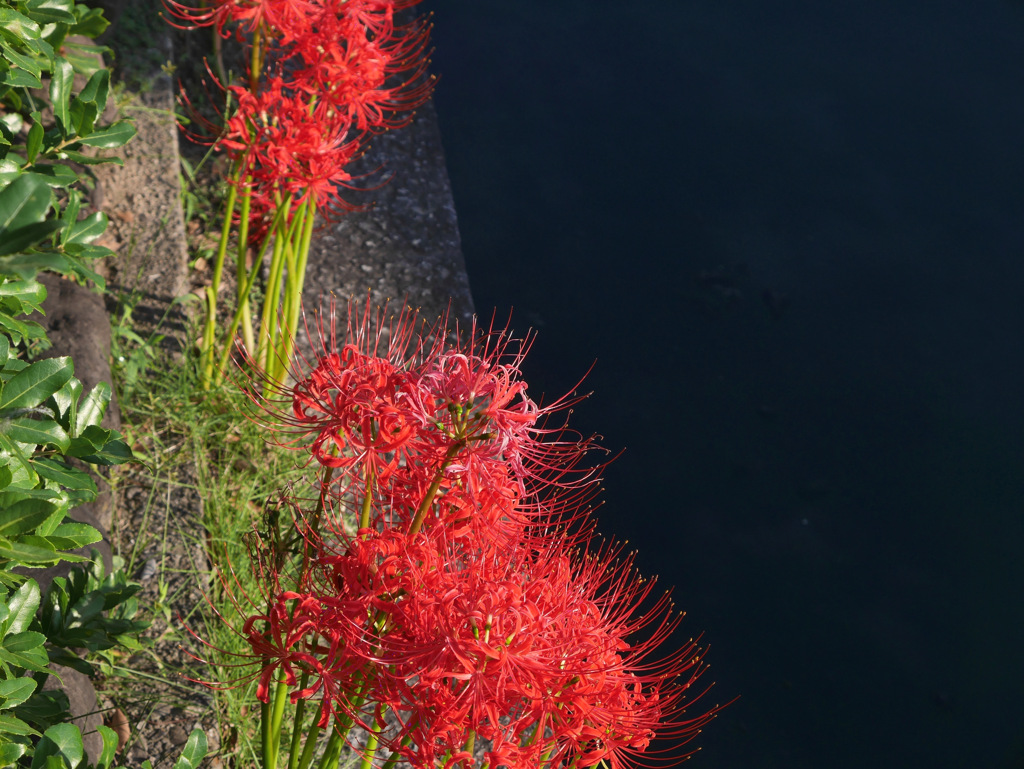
<point x="789" y="236"/>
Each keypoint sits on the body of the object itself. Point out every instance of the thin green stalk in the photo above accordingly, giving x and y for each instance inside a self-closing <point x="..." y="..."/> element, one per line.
<point x="321" y="503"/>
<point x="428" y="498"/>
<point x="301" y="260"/>
<point x="364" y="514"/>
<point x="309" y="748"/>
<point x="242" y="306"/>
<point x="272" y="300"/>
<point x="300" y="713"/>
<point x="370" y="750"/>
<point x="210" y="330"/>
<point x="272" y="725"/>
<point x="266" y="730"/>
<point x="243" y="300"/>
<point x="291" y="302"/>
<point x="395" y="754"/>
<point x="256" y="59"/>
<point x="333" y="750"/>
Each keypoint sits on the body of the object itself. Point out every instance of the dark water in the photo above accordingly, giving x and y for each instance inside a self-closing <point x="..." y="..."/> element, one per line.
<point x="792" y="236"/>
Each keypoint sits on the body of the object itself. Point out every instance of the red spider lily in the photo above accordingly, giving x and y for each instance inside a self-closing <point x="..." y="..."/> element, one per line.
<point x="350" y="68"/>
<point x="284" y="16"/>
<point x="286" y="151"/>
<point x="467" y="602"/>
<point x="509" y="642"/>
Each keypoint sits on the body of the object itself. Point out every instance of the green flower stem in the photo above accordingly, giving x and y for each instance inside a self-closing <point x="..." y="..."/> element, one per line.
<point x="256" y="59"/>
<point x="300" y="713"/>
<point x="332" y="753"/>
<point x="312" y="737"/>
<point x="241" y="274"/>
<point x="395" y="754"/>
<point x="294" y="299"/>
<point x="364" y="514"/>
<point x="321" y="503"/>
<point x="243" y="298"/>
<point x="209" y="332"/>
<point x="282" y="235"/>
<point x="370" y="750"/>
<point x="276" y="715"/>
<point x="291" y="302"/>
<point x="428" y="498"/>
<point x="266" y="728"/>
<point x="277" y="366"/>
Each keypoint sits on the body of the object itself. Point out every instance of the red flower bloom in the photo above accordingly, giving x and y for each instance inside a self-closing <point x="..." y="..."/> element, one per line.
<point x="472" y="601"/>
<point x="349" y="64"/>
<point x="285" y="150"/>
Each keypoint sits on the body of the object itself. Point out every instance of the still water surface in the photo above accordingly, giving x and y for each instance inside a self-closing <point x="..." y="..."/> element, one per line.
<point x="791" y="234"/>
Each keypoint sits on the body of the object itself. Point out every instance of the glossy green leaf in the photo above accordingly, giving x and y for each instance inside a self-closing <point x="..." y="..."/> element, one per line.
<point x="12" y="725"/>
<point x="90" y="22"/>
<point x="34" y="142"/>
<point x="114" y="452"/>
<point x="96" y="90"/>
<point x="24" y="201"/>
<point x="28" y="265"/>
<point x="64" y="403"/>
<point x="24" y="515"/>
<point x="20" y="78"/>
<point x="24" y="238"/>
<point x="62" y="80"/>
<point x="31" y="386"/>
<point x="25" y="650"/>
<point x="56" y="175"/>
<point x="41" y="432"/>
<point x="107" y="755"/>
<point x="23" y="62"/>
<point x="69" y="217"/>
<point x="115" y="135"/>
<point x="81" y="534"/>
<point x="194" y="751"/>
<point x="93" y="407"/>
<point x="20" y="27"/>
<point x="31" y="291"/>
<point x="39" y="47"/>
<point x="83" y="117"/>
<point x="33" y="553"/>
<point x="49" y="11"/>
<point x="65" y="475"/>
<point x="87" y="252"/>
<point x="5" y="350"/>
<point x="10" y="752"/>
<point x="21" y="608"/>
<point x="88" y="441"/>
<point x="89" y="160"/>
<point x="15" y="691"/>
<point x="88" y="229"/>
<point x="62" y="741"/>
<point x="25" y="641"/>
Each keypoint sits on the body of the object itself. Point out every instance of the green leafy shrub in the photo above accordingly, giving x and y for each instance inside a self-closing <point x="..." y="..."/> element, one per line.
<point x="50" y="429"/>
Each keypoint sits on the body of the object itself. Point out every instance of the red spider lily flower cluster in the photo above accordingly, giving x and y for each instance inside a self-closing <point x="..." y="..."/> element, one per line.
<point x="331" y="74"/>
<point x="448" y="595"/>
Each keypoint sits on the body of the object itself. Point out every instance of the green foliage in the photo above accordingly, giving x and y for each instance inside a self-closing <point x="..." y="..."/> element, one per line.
<point x="49" y="426"/>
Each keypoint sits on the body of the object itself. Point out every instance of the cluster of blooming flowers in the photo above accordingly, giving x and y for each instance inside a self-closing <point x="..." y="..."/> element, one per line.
<point x="447" y="594"/>
<point x="325" y="75"/>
